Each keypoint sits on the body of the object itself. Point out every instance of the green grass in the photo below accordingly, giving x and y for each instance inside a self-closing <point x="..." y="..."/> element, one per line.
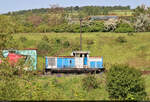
<point x="147" y="83"/>
<point x="135" y="52"/>
<point x="121" y="12"/>
<point x="69" y="87"/>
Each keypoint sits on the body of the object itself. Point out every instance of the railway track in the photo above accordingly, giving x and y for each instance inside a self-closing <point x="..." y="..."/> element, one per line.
<point x="70" y="72"/>
<point x="42" y="73"/>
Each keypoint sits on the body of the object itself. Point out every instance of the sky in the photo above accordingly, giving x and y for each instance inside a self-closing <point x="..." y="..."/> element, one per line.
<point x="15" y="5"/>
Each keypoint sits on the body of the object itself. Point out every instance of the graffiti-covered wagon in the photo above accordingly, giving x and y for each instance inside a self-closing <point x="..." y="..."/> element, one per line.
<point x="29" y="57"/>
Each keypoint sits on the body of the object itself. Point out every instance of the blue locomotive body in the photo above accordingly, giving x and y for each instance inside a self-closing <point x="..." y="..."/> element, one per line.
<point x="78" y="61"/>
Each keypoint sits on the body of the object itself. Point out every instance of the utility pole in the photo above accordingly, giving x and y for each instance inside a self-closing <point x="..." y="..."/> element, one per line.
<point x="80" y="34"/>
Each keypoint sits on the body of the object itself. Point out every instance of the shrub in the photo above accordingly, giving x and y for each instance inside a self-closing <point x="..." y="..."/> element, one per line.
<point x="10" y="90"/>
<point x="124" y="28"/>
<point x="75" y="28"/>
<point x="58" y="41"/>
<point x="90" y="82"/>
<point x="124" y="82"/>
<point x="42" y="29"/>
<point x="10" y="80"/>
<point x="66" y="44"/>
<point x="75" y="46"/>
<point x="90" y="42"/>
<point x="43" y="47"/>
<point x="60" y="28"/>
<point x="23" y="39"/>
<point x="121" y="39"/>
<point x="7" y="41"/>
<point x="110" y="25"/>
<point x="45" y="38"/>
<point x="130" y="34"/>
<point x="96" y="27"/>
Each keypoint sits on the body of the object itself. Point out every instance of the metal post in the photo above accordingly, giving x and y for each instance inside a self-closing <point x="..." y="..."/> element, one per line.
<point x="80" y="34"/>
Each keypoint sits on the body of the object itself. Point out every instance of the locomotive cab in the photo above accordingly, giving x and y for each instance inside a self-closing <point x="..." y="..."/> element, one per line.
<point x="82" y="54"/>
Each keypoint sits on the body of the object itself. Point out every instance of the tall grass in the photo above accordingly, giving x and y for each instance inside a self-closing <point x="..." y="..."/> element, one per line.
<point x="135" y="51"/>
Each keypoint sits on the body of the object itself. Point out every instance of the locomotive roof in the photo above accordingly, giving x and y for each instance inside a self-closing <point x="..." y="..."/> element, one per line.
<point x="81" y="52"/>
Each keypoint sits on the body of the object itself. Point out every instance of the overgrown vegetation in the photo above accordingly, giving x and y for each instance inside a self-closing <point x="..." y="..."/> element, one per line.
<point x="125" y="47"/>
<point x="18" y="84"/>
<point x="29" y="86"/>
<point x="58" y="19"/>
<point x="124" y="28"/>
<point x="90" y="82"/>
<point x="43" y="47"/>
<point x="125" y="83"/>
<point x="121" y="39"/>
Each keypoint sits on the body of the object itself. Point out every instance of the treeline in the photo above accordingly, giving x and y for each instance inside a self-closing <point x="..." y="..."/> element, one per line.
<point x="58" y="20"/>
<point x="23" y="12"/>
<point x="91" y="10"/>
<point x="96" y="10"/>
<point x="42" y="24"/>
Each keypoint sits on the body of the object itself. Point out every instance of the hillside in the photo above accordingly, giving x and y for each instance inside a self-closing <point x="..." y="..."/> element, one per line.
<point x="114" y="47"/>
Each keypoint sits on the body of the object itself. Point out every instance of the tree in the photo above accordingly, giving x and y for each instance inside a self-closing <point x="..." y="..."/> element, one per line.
<point x="140" y="9"/>
<point x="43" y="47"/>
<point x="124" y="27"/>
<point x="105" y="12"/>
<point x="35" y="20"/>
<point x="110" y="25"/>
<point x="141" y="18"/>
<point x="58" y="15"/>
<point x="7" y="41"/>
<point x="76" y="8"/>
<point x="6" y="24"/>
<point x="125" y="83"/>
<point x="142" y="23"/>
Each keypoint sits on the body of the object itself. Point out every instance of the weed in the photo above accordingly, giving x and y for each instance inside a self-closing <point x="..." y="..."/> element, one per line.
<point x="121" y="39"/>
<point x="90" y="82"/>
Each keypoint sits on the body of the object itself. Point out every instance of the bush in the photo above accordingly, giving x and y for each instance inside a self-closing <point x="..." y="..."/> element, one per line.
<point x="90" y="42"/>
<point x="124" y="28"/>
<point x="121" y="39"/>
<point x="10" y="89"/>
<point x="58" y="41"/>
<point x="42" y="29"/>
<point x="66" y="44"/>
<point x="90" y="82"/>
<point x="43" y="47"/>
<point x="75" y="28"/>
<point x="60" y="28"/>
<point x="9" y="85"/>
<point x="75" y="46"/>
<point x="110" y="25"/>
<point x="45" y="38"/>
<point x="96" y="27"/>
<point x="130" y="34"/>
<point x="23" y="39"/>
<point x="125" y="83"/>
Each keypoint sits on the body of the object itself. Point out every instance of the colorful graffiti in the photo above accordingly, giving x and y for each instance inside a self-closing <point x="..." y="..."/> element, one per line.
<point x="30" y="57"/>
